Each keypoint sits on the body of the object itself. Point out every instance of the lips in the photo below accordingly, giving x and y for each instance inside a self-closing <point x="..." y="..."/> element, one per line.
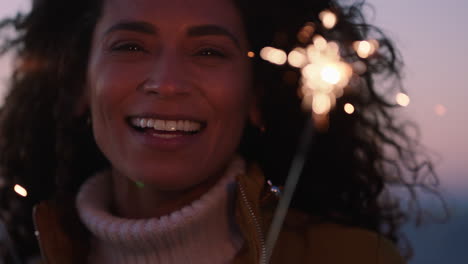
<point x="165" y="128"/>
<point x="166" y="125"/>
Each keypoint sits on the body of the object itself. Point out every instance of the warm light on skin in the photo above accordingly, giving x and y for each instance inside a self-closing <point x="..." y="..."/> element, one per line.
<point x="349" y="108"/>
<point x="328" y="18"/>
<point x="440" y="110"/>
<point x="250" y="54"/>
<point x="20" y="190"/>
<point x="403" y="99"/>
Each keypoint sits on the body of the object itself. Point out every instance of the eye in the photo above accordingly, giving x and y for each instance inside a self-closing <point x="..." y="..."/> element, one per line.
<point x="129" y="47"/>
<point x="210" y="52"/>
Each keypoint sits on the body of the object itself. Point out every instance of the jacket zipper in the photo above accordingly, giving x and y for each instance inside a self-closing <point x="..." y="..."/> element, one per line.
<point x="257" y="225"/>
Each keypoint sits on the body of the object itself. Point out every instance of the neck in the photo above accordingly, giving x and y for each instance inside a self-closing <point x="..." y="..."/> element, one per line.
<point x="136" y="202"/>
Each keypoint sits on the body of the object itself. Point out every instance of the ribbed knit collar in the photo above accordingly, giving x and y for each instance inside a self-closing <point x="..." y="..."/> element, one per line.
<point x="201" y="232"/>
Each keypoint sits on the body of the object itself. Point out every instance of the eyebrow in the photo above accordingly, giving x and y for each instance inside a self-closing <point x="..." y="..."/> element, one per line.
<point x="206" y="30"/>
<point x="195" y="31"/>
<point x="136" y="26"/>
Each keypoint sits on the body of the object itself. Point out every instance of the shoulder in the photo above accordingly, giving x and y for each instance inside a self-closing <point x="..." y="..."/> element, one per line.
<point x="333" y="243"/>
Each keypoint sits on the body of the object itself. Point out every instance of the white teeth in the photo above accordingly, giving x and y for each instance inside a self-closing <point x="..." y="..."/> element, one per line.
<point x="159" y="125"/>
<point x="171" y="125"/>
<point x="143" y="123"/>
<point x="166" y="125"/>
<point x="180" y="124"/>
<point x="135" y="121"/>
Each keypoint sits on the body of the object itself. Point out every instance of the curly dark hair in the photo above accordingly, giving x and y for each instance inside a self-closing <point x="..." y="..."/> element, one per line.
<point x="48" y="148"/>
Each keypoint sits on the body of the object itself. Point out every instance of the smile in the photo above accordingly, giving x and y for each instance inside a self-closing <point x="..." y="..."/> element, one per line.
<point x="165" y="128"/>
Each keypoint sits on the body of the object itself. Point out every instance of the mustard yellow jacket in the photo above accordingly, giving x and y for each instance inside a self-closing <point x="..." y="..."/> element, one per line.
<point x="63" y="239"/>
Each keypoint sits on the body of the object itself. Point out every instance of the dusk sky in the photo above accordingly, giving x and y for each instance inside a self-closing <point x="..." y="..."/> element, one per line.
<point x="433" y="39"/>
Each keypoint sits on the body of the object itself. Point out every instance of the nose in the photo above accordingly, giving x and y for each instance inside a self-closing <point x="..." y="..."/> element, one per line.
<point x="166" y="76"/>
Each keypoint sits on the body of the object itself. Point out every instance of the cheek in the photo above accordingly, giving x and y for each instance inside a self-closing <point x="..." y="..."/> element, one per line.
<point x="110" y="85"/>
<point x="230" y="98"/>
<point x="231" y="91"/>
<point x="109" y="88"/>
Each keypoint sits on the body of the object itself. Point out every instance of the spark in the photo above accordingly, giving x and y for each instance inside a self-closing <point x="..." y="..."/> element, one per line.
<point x="324" y="72"/>
<point x="349" y="108"/>
<point x="365" y="49"/>
<point x="250" y="54"/>
<point x="321" y="104"/>
<point x="320" y="43"/>
<point x="330" y="74"/>
<point x="297" y="58"/>
<point x="403" y="99"/>
<point x="275" y="56"/>
<point x="20" y="190"/>
<point x="328" y="18"/>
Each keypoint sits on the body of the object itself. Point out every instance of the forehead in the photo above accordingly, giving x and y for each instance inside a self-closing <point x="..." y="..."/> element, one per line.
<point x="173" y="14"/>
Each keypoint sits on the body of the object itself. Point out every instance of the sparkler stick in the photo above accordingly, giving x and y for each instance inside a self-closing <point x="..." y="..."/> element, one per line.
<point x="324" y="76"/>
<point x="291" y="183"/>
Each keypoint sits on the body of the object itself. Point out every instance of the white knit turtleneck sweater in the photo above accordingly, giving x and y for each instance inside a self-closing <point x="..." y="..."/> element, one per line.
<point x="201" y="232"/>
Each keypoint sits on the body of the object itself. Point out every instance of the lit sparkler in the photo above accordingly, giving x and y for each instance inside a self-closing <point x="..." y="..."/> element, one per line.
<point x="324" y="76"/>
<point x="402" y="99"/>
<point x="20" y="190"/>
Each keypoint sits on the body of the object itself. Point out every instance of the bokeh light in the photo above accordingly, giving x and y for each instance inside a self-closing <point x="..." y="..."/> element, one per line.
<point x="306" y="33"/>
<point x="359" y="67"/>
<point x="321" y="104"/>
<point x="330" y="74"/>
<point x="20" y="190"/>
<point x="297" y="58"/>
<point x="250" y="54"/>
<point x="440" y="110"/>
<point x="366" y="48"/>
<point x="320" y="43"/>
<point x="273" y="55"/>
<point x="325" y="74"/>
<point x="402" y="99"/>
<point x="349" y="108"/>
<point x="328" y="19"/>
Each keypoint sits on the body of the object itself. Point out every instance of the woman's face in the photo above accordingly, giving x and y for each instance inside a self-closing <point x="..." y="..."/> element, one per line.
<point x="169" y="88"/>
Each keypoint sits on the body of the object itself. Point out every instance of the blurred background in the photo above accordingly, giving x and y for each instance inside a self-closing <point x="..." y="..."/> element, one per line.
<point x="432" y="38"/>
